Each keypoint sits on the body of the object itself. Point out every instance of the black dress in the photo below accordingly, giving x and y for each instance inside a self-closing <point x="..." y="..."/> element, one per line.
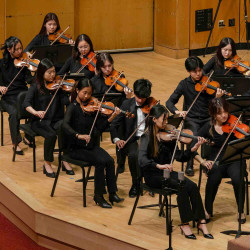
<point x="9" y="101"/>
<point x="78" y="122"/>
<point x="49" y="125"/>
<point x="38" y="40"/>
<point x="215" y="175"/>
<point x="154" y="178"/>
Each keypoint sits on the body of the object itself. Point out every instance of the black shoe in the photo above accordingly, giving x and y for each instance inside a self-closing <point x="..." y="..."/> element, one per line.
<point x="20" y="152"/>
<point x="189" y="171"/>
<point x="28" y="143"/>
<point x="69" y="172"/>
<point x="207" y="236"/>
<point x="99" y="200"/>
<point x="51" y="175"/>
<point x="152" y="194"/>
<point x="243" y="220"/>
<point x="190" y="236"/>
<point x="115" y="198"/>
<point x="120" y="169"/>
<point x="133" y="191"/>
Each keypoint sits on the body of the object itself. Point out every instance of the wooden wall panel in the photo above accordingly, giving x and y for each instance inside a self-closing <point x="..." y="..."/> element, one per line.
<point x="2" y="21"/>
<point x="116" y="24"/>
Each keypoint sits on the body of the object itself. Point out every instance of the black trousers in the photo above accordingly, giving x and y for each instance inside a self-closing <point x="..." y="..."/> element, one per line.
<point x="195" y="125"/>
<point x="131" y="150"/>
<point x="214" y="179"/>
<point x="49" y="132"/>
<point x="99" y="158"/>
<point x="188" y="198"/>
<point x="10" y="105"/>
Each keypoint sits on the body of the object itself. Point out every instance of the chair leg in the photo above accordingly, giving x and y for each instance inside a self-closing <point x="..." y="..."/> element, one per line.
<point x="134" y="207"/>
<point x="200" y="176"/>
<point x="161" y="213"/>
<point x="84" y="184"/>
<point x="247" y="196"/>
<point x="1" y="128"/>
<point x="87" y="176"/>
<point x="14" y="153"/>
<point x="167" y="214"/>
<point x="57" y="175"/>
<point x="34" y="155"/>
<point x="182" y="163"/>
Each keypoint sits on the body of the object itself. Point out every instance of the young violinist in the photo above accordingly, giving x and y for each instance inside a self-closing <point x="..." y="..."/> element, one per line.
<point x="104" y="69"/>
<point x="225" y="51"/>
<point x="13" y="49"/>
<point x="50" y="26"/>
<point x="218" y="110"/>
<point x="198" y="115"/>
<point x="122" y="127"/>
<point x="77" y="124"/>
<point x="82" y="48"/>
<point x="46" y="124"/>
<point x="155" y="155"/>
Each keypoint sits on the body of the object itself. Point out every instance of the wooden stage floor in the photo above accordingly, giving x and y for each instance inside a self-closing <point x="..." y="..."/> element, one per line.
<point x="61" y="222"/>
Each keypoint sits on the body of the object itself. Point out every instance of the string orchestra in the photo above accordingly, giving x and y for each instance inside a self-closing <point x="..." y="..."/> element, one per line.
<point x="87" y="96"/>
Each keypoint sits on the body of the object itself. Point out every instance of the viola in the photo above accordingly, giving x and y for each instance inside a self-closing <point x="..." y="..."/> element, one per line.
<point x="107" y="108"/>
<point x="238" y="63"/>
<point x="120" y="83"/>
<point x="241" y="130"/>
<point x="60" y="37"/>
<point x="149" y="103"/>
<point x="89" y="61"/>
<point x="210" y="86"/>
<point x="66" y="85"/>
<point x="26" y="61"/>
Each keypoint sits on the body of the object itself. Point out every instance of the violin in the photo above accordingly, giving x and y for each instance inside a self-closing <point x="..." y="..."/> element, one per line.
<point x="211" y="86"/>
<point x="60" y="37"/>
<point x="149" y="103"/>
<point x="89" y="61"/>
<point x="67" y="85"/>
<point x="241" y="130"/>
<point x="107" y="108"/>
<point x="26" y="61"/>
<point x="120" y="84"/>
<point x="238" y="63"/>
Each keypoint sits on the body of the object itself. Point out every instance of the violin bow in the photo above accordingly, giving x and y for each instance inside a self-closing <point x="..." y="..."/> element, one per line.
<point x="83" y="66"/>
<point x="98" y="111"/>
<point x="53" y="97"/>
<point x="60" y="35"/>
<point x="182" y="123"/>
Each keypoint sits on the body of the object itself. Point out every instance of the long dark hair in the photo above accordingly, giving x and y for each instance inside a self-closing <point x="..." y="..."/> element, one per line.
<point x="43" y="66"/>
<point x="47" y="18"/>
<point x="83" y="83"/>
<point x="155" y="112"/>
<point x="9" y="43"/>
<point x="216" y="104"/>
<point x="223" y="43"/>
<point x="75" y="51"/>
<point x="101" y="59"/>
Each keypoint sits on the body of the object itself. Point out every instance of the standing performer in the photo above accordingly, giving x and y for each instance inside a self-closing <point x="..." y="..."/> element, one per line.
<point x="122" y="127"/>
<point x="82" y="48"/>
<point x="218" y="111"/>
<point x="198" y="115"/>
<point x="77" y="124"/>
<point x="46" y="124"/>
<point x="50" y="26"/>
<point x="13" y="49"/>
<point x="155" y="155"/>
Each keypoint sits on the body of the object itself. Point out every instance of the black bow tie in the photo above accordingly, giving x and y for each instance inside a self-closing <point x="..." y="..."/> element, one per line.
<point x="138" y="107"/>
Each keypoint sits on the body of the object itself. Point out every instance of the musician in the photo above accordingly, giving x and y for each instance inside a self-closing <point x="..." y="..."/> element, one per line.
<point x="226" y="50"/>
<point x="218" y="110"/>
<point x="12" y="49"/>
<point x="46" y="124"/>
<point x="104" y="67"/>
<point x="155" y="155"/>
<point x="82" y="47"/>
<point x="122" y="127"/>
<point x="50" y="26"/>
<point x="77" y="124"/>
<point x="198" y="115"/>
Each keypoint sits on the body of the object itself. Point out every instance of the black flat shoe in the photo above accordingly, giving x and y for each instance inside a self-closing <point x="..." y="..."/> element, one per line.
<point x="50" y="175"/>
<point x="190" y="236"/>
<point x="207" y="236"/>
<point x="69" y="172"/>
<point x="133" y="191"/>
<point x="115" y="198"/>
<point x="189" y="171"/>
<point x="242" y="221"/>
<point x="19" y="152"/>
<point x="100" y="201"/>
<point x="25" y="141"/>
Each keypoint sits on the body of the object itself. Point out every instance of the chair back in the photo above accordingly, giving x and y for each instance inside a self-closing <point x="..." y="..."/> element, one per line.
<point x="21" y="111"/>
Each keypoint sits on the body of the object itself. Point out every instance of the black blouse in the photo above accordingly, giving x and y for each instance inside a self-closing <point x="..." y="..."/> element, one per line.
<point x="78" y="122"/>
<point x="39" y="102"/>
<point x="8" y="72"/>
<point x="38" y="40"/>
